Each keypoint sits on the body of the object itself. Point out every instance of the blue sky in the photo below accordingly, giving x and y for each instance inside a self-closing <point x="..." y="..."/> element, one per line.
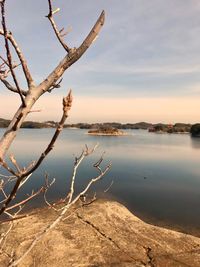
<point x="147" y="55"/>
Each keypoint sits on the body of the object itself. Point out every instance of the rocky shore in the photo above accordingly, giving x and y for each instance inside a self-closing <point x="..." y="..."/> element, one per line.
<point x="103" y="234"/>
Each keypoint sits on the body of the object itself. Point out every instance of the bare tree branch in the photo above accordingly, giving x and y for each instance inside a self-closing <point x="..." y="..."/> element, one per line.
<point x="12" y="88"/>
<point x="57" y="32"/>
<point x="5" y="165"/>
<point x="5" y="235"/>
<point x="47" y="186"/>
<point x="23" y="202"/>
<point x="28" y="98"/>
<point x="6" y="63"/>
<point x="77" y="162"/>
<point x="44" y="86"/>
<point x="56" y="85"/>
<point x="14" y="219"/>
<point x="4" y="73"/>
<point x="9" y="57"/>
<point x="60" y="217"/>
<point x="108" y="188"/>
<point x="67" y="102"/>
<point x="15" y="163"/>
<point x="21" y="57"/>
<point x="73" y="56"/>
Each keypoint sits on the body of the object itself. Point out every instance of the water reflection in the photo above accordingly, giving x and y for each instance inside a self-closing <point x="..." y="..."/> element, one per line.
<point x="195" y="141"/>
<point x="155" y="176"/>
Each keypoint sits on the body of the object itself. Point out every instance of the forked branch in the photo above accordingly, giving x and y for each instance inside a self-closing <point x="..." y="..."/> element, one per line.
<point x="67" y="103"/>
<point x="9" y="37"/>
<point x="73" y="55"/>
<point x="12" y="88"/>
<point x="64" y="210"/>
<point x="53" y="24"/>
<point x="9" y="57"/>
<point x="21" y="57"/>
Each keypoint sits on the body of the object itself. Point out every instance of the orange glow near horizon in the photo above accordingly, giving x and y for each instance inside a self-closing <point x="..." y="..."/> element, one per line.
<point x="96" y="109"/>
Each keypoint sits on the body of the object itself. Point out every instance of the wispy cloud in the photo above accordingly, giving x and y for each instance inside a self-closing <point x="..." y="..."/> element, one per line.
<point x="161" y="70"/>
<point x="147" y="49"/>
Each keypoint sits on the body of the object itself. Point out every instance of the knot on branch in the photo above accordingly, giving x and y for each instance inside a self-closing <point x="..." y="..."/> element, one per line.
<point x="67" y="102"/>
<point x="55" y="85"/>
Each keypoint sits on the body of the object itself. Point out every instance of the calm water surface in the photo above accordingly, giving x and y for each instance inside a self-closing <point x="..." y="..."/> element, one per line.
<point x="157" y="176"/>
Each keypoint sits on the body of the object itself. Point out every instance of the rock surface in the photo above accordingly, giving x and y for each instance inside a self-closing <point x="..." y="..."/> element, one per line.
<point x="103" y="234"/>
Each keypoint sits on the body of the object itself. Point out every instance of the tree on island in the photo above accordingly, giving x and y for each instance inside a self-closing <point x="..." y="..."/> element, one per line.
<point x="106" y="130"/>
<point x="19" y="176"/>
<point x="195" y="130"/>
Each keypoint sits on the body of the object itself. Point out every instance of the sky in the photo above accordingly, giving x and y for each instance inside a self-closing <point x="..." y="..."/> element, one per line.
<point x="144" y="66"/>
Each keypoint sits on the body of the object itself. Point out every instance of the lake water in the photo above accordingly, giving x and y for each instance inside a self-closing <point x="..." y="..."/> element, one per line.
<point x="157" y="176"/>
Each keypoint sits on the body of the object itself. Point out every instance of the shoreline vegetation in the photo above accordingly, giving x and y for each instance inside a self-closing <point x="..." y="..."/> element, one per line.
<point x="116" y="129"/>
<point x="157" y="127"/>
<point x="107" y="131"/>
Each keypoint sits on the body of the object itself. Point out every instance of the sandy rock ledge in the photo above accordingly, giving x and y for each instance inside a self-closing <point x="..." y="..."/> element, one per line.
<point x="104" y="234"/>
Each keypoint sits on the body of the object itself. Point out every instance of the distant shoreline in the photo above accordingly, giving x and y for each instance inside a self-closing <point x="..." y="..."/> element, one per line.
<point x="138" y="125"/>
<point x="159" y="128"/>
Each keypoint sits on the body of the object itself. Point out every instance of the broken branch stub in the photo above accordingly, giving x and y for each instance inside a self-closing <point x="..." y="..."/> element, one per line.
<point x="67" y="103"/>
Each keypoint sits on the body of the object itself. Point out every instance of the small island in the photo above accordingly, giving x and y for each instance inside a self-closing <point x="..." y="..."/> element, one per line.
<point x="177" y="128"/>
<point x="106" y="131"/>
<point x="195" y="130"/>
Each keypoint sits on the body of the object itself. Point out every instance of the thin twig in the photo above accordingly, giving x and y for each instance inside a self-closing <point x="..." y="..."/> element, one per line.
<point x="4" y="235"/>
<point x="23" y="202"/>
<point x="47" y="186"/>
<point x="59" y="218"/>
<point x="15" y="163"/>
<point x="21" y="57"/>
<point x="67" y="103"/>
<point x="5" y="165"/>
<point x="12" y="88"/>
<point x="53" y="24"/>
<point x="108" y="188"/>
<point x="9" y="57"/>
<point x="77" y="162"/>
<point x="15" y="219"/>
